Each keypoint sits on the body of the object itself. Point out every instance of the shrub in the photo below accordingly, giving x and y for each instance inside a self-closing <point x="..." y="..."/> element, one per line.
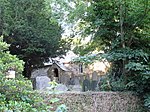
<point x="147" y="101"/>
<point x="16" y="94"/>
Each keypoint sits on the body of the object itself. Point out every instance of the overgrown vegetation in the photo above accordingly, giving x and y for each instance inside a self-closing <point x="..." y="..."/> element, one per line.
<point x="99" y="101"/>
<point x="17" y="94"/>
<point x="32" y="32"/>
<point x="120" y="28"/>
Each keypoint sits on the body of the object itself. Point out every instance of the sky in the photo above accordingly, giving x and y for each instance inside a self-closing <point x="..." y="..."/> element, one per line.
<point x="69" y="56"/>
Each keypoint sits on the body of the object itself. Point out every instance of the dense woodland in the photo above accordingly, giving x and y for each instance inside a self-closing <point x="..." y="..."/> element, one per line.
<point x="32" y="28"/>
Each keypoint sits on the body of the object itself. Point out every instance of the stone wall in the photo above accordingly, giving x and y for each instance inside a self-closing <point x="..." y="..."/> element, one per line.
<point x="97" y="101"/>
<point x="99" y="67"/>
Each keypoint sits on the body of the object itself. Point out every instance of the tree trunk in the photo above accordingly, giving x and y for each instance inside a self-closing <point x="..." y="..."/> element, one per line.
<point x="122" y="32"/>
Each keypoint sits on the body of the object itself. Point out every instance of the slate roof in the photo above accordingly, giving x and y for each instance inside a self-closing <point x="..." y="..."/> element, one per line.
<point x="61" y="66"/>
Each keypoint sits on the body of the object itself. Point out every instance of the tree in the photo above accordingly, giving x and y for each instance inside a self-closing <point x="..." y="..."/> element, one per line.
<point x="117" y="27"/>
<point x="17" y="94"/>
<point x="33" y="33"/>
<point x="120" y="28"/>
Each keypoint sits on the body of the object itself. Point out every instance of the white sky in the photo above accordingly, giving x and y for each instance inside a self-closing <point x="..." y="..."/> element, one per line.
<point x="69" y="56"/>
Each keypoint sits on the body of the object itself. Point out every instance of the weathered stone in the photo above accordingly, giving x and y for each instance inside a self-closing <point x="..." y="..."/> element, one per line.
<point x="94" y="76"/>
<point x="76" y="81"/>
<point x="94" y="85"/>
<point x="61" y="87"/>
<point x="64" y="79"/>
<point x="86" y="85"/>
<point x="76" y="88"/>
<point x="41" y="82"/>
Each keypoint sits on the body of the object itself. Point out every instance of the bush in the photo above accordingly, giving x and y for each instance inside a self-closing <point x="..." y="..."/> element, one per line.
<point x="16" y="94"/>
<point x="110" y="83"/>
<point x="147" y="101"/>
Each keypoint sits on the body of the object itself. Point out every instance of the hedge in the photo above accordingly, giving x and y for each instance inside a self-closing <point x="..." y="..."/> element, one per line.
<point x="97" y="101"/>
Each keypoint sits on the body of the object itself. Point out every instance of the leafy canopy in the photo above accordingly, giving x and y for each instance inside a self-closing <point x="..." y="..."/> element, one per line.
<point x="33" y="34"/>
<point x="120" y="28"/>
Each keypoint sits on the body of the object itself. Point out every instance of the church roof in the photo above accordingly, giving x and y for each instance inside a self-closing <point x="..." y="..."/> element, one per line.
<point x="61" y="66"/>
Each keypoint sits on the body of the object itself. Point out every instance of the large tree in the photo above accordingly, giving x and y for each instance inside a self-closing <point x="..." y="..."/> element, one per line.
<point x="33" y="33"/>
<point x="121" y="28"/>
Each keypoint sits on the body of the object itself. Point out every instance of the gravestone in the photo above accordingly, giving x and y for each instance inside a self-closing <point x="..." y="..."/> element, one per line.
<point x="94" y="81"/>
<point x="86" y="85"/>
<point x="71" y="82"/>
<point x="74" y="81"/>
<point x="81" y="79"/>
<point x="61" y="87"/>
<point x="41" y="82"/>
<point x="74" y="84"/>
<point x="76" y="88"/>
<point x="94" y="76"/>
<point x="66" y="79"/>
<point x="94" y="85"/>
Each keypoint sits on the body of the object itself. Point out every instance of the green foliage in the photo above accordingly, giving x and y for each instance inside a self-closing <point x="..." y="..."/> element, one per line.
<point x="8" y="61"/>
<point x="16" y="94"/>
<point x="104" y="85"/>
<point x="147" y="100"/>
<point x="33" y="34"/>
<point x="53" y="100"/>
<point x="121" y="29"/>
<point x="110" y="83"/>
<point x="61" y="108"/>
